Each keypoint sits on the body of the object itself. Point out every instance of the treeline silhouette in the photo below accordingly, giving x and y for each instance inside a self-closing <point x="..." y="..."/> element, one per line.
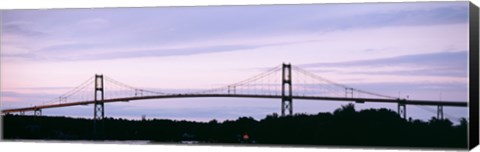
<point x="345" y="126"/>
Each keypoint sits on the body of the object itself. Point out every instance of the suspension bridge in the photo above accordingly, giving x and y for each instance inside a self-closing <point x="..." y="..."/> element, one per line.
<point x="284" y="82"/>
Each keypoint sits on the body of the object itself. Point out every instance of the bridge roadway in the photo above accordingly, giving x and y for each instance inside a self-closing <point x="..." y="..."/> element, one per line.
<point x="358" y="100"/>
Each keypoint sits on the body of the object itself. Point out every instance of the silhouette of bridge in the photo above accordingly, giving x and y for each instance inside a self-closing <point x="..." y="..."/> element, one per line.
<point x="284" y="82"/>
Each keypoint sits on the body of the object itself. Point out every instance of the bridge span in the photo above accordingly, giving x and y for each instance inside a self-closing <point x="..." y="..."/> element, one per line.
<point x="356" y="100"/>
<point x="275" y="83"/>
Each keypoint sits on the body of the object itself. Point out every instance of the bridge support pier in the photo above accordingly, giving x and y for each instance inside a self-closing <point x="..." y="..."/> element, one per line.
<point x="287" y="89"/>
<point x="37" y="112"/>
<point x="98" y="111"/>
<point x="402" y="110"/>
<point x="440" y="112"/>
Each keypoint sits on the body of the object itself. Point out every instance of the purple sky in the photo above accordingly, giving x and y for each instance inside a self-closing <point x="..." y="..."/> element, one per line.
<point x="398" y="49"/>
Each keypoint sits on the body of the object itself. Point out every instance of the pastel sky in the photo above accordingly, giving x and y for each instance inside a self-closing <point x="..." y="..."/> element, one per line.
<point x="398" y="49"/>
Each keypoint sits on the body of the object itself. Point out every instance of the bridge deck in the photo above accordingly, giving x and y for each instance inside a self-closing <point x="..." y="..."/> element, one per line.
<point x="361" y="100"/>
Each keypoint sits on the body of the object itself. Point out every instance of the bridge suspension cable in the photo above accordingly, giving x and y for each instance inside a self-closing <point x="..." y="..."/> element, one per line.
<point x="126" y="90"/>
<point x="251" y="85"/>
<point x="75" y="91"/>
<point x="343" y="87"/>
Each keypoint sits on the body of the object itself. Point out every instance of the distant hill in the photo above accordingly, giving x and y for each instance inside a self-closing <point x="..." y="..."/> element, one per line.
<point x="345" y="126"/>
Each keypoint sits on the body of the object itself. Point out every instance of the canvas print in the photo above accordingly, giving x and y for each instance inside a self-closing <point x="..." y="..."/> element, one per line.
<point x="360" y="74"/>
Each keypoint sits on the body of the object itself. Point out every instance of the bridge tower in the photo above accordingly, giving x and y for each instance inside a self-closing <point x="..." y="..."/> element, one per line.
<point x="287" y="89"/>
<point x="99" y="96"/>
<point x="98" y="111"/>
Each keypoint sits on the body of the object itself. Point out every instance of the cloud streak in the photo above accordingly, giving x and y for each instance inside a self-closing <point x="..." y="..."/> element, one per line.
<point x="440" y="63"/>
<point x="21" y="28"/>
<point x="443" y="59"/>
<point x="153" y="27"/>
